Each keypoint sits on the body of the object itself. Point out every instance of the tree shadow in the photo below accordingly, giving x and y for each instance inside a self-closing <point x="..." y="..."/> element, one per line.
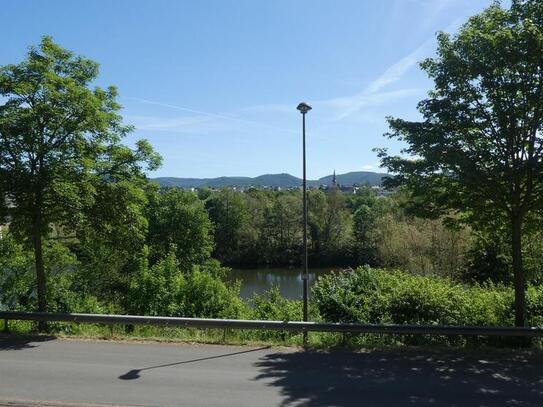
<point x="406" y="377"/>
<point x="20" y="342"/>
<point x="135" y="373"/>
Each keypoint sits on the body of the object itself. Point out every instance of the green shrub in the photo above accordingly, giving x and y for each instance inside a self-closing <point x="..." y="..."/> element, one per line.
<point x="165" y="290"/>
<point x="158" y="290"/>
<point x="206" y="296"/>
<point x="426" y="300"/>
<point x="18" y="279"/>
<point x="534" y="305"/>
<point x="272" y="306"/>
<point x="380" y="296"/>
<point x="351" y="296"/>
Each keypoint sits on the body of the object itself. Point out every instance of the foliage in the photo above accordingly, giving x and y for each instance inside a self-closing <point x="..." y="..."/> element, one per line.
<point x="367" y="211"/>
<point x="17" y="289"/>
<point x="329" y="225"/>
<point x="272" y="306"/>
<point x="177" y="219"/>
<point x="59" y="147"/>
<point x="281" y="229"/>
<point x="479" y="149"/>
<point x="17" y="279"/>
<point x="386" y="296"/>
<point x="164" y="289"/>
<point x="259" y="227"/>
<point x="228" y="213"/>
<point x="209" y="297"/>
<point x="110" y="244"/>
<point x="421" y="246"/>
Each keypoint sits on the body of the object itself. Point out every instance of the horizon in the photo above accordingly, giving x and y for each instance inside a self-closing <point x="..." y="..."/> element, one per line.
<point x="275" y="173"/>
<point x="214" y="85"/>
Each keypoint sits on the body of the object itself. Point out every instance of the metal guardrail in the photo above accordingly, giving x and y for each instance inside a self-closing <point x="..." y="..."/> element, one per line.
<point x="273" y="325"/>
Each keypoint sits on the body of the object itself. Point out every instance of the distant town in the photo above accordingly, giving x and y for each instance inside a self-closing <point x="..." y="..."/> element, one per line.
<point x="348" y="183"/>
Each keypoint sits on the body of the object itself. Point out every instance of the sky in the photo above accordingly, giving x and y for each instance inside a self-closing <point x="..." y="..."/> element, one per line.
<point x="214" y="84"/>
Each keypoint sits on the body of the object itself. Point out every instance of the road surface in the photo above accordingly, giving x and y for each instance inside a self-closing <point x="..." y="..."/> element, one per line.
<point x="73" y="372"/>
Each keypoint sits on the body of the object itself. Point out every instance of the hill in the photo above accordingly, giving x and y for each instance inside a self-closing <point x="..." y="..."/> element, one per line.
<point x="272" y="180"/>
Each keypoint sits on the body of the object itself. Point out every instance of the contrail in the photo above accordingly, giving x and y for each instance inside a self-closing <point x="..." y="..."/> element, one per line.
<point x="208" y="114"/>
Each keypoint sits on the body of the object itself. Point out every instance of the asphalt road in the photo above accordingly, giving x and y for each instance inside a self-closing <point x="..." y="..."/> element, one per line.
<point x="62" y="371"/>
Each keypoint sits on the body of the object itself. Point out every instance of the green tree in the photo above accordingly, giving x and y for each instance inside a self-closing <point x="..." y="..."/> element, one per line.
<point x="59" y="145"/>
<point x="282" y="228"/>
<point x="329" y="226"/>
<point x="229" y="215"/>
<point x="111" y="241"/>
<point x="200" y="292"/>
<point x="479" y="149"/>
<point x="178" y="219"/>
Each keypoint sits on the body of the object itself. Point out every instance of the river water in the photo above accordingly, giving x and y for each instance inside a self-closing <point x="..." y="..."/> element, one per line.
<point x="289" y="280"/>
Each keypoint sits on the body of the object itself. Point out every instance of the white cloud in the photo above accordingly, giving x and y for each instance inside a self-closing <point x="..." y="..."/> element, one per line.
<point x="372" y="95"/>
<point x="348" y="105"/>
<point x="396" y="71"/>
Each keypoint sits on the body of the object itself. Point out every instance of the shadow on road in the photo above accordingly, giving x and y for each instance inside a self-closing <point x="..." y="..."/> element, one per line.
<point x="406" y="377"/>
<point x="135" y="373"/>
<point x="9" y="342"/>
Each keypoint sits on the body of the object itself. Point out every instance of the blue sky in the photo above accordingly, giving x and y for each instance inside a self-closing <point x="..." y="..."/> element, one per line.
<point x="214" y="85"/>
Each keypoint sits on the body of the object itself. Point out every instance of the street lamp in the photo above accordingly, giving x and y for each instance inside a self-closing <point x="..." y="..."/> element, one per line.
<point x="304" y="108"/>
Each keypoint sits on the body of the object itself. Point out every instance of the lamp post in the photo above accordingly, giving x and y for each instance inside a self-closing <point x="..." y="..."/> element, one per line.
<point x="304" y="108"/>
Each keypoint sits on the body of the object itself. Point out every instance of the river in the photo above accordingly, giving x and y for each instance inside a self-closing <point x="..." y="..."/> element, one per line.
<point x="289" y="280"/>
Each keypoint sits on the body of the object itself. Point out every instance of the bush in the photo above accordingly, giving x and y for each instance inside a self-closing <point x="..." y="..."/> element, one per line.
<point x="379" y="296"/>
<point x="200" y="293"/>
<point x="18" y="279"/>
<point x="207" y="296"/>
<point x="273" y="307"/>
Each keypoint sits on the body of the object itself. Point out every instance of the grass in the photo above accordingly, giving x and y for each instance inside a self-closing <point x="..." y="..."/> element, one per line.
<point x="316" y="340"/>
<point x="117" y="332"/>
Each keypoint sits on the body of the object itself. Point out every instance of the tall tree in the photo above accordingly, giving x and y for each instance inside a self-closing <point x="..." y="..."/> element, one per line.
<point x="178" y="220"/>
<point x="60" y="145"/>
<point x="479" y="149"/>
<point x="228" y="213"/>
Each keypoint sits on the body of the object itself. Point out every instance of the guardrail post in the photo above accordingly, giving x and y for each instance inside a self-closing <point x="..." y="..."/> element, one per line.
<point x="6" y="326"/>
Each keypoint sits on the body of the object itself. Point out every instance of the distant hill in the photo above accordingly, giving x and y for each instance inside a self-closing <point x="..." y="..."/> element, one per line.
<point x="272" y="180"/>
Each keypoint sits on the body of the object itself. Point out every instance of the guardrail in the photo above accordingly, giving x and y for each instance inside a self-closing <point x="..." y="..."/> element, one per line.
<point x="272" y="325"/>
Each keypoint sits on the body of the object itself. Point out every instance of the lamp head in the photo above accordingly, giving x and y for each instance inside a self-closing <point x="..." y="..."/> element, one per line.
<point x="303" y="108"/>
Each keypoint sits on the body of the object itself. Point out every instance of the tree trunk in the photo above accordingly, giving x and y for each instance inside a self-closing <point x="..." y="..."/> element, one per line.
<point x="40" y="268"/>
<point x="518" y="271"/>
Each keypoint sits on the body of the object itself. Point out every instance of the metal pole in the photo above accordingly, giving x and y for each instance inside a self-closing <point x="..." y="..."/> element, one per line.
<point x="305" y="275"/>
